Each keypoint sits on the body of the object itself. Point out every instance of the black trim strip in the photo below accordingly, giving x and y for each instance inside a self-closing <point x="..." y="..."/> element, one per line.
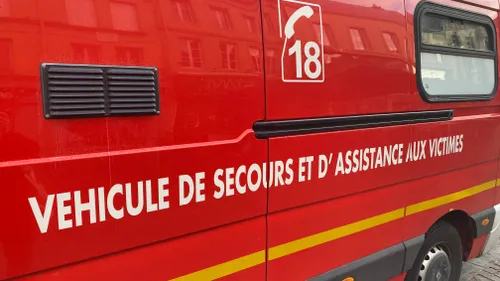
<point x="269" y="129"/>
<point x="412" y="247"/>
<point x="380" y="266"/>
<point x="487" y="216"/>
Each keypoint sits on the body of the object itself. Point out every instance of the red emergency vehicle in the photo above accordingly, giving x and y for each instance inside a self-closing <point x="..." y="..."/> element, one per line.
<point x="251" y="140"/>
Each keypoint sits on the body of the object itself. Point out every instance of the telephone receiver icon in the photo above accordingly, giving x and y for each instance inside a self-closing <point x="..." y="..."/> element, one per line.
<point x="305" y="11"/>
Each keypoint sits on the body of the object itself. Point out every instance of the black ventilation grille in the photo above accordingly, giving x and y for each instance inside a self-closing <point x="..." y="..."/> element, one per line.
<point x="71" y="91"/>
<point x="132" y="91"/>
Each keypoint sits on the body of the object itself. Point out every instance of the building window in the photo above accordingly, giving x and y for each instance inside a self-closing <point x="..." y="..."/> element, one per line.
<point x="129" y="56"/>
<point x="327" y="34"/>
<point x="271" y="61"/>
<point x="228" y="52"/>
<point x="391" y="41"/>
<point x="81" y="12"/>
<point x="5" y="55"/>
<point x="251" y="25"/>
<point x="456" y="54"/>
<point x="4" y="8"/>
<point x="357" y="39"/>
<point x="269" y="22"/>
<point x="256" y="60"/>
<point x="222" y="18"/>
<point x="83" y="53"/>
<point x="190" y="53"/>
<point x="183" y="10"/>
<point x="124" y="16"/>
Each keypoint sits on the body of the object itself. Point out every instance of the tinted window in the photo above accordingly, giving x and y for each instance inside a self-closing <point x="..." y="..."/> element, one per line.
<point x="457" y="54"/>
<point x="455" y="33"/>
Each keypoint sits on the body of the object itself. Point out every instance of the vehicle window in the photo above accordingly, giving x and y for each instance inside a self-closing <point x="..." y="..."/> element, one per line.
<point x="457" y="55"/>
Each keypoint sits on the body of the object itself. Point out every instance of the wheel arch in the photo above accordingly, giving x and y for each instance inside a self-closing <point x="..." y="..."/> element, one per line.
<point x="464" y="224"/>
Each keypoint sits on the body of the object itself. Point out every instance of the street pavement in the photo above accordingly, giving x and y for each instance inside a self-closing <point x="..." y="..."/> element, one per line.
<point x="485" y="268"/>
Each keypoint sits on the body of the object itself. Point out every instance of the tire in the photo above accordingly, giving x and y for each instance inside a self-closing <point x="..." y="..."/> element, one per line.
<point x="440" y="255"/>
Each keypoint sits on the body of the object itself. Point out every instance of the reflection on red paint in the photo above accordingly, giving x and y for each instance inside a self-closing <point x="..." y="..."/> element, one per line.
<point x="220" y="71"/>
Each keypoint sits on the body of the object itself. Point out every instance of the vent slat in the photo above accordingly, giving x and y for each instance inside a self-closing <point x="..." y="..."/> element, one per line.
<point x="79" y="106"/>
<point x="130" y="71"/>
<point x="133" y="111"/>
<point x="78" y="113"/>
<point x="76" y="89"/>
<point x="75" y="101"/>
<point x="132" y="83"/>
<point x="129" y="95"/>
<point x="76" y="95"/>
<point x="118" y="100"/>
<point x="76" y="83"/>
<point x="81" y="90"/>
<point x="131" y="78"/>
<point x="75" y="77"/>
<point x="131" y="89"/>
<point x="73" y="70"/>
<point x="139" y="105"/>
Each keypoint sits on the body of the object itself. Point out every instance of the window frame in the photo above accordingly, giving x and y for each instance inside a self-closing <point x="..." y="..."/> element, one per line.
<point x="189" y="48"/>
<point x="227" y="55"/>
<point x="70" y="19"/>
<point x="426" y="7"/>
<point x="178" y="7"/>
<point x="136" y="14"/>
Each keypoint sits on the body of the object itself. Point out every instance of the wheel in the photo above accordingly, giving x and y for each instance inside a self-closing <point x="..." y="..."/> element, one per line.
<point x="440" y="258"/>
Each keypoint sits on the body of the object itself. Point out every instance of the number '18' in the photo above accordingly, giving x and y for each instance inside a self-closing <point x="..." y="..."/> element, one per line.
<point x="311" y="50"/>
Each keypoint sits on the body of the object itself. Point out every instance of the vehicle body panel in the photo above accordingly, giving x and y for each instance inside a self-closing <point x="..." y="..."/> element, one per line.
<point x="220" y="71"/>
<point x="200" y="129"/>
